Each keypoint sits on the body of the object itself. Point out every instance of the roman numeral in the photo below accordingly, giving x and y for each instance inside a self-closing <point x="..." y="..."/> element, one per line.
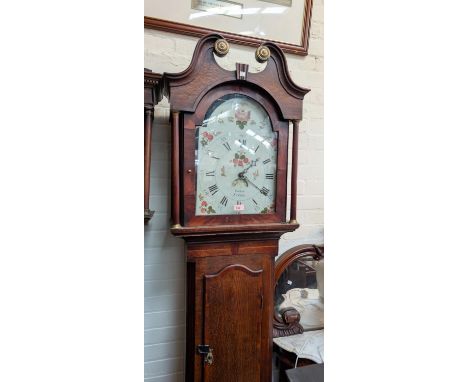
<point x="214" y="157"/>
<point x="227" y="146"/>
<point x="214" y="189"/>
<point x="265" y="191"/>
<point x="257" y="148"/>
<point x="210" y="173"/>
<point x="253" y="200"/>
<point x="269" y="176"/>
<point x="267" y="161"/>
<point x="244" y="142"/>
<point x="224" y="201"/>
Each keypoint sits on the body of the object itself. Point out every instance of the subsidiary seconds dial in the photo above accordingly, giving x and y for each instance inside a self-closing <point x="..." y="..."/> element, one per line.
<point x="236" y="159"/>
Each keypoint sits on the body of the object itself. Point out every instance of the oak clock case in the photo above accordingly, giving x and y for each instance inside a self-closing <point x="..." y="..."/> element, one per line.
<point x="230" y="133"/>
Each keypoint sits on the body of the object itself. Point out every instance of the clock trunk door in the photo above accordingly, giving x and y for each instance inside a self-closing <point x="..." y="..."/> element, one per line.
<point x="233" y="300"/>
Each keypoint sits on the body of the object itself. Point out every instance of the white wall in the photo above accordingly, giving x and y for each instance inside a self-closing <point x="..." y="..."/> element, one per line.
<point x="164" y="254"/>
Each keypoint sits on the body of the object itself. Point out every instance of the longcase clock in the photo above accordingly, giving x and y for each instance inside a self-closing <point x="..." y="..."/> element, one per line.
<point x="230" y="132"/>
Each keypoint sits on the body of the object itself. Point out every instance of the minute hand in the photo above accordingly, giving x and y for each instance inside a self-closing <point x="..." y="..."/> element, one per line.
<point x="253" y="184"/>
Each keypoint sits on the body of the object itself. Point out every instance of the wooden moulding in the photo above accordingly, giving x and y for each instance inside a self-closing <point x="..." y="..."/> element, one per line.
<point x="234" y="232"/>
<point x="287" y="321"/>
<point x="247" y="246"/>
<point x="204" y="74"/>
<point x="152" y="95"/>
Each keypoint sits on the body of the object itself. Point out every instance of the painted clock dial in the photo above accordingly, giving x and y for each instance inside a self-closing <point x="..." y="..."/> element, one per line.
<point x="236" y="154"/>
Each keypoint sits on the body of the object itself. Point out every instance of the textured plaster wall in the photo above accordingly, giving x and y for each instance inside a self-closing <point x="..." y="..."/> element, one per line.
<point x="164" y="254"/>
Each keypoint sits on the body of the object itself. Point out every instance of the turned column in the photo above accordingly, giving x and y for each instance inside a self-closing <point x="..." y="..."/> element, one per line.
<point x="175" y="185"/>
<point x="295" y="144"/>
<point x="149" y="117"/>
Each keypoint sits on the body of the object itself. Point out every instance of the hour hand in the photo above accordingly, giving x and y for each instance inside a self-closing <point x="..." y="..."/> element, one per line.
<point x="252" y="163"/>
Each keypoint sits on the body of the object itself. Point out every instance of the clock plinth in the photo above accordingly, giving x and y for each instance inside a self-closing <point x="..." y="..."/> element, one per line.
<point x="230" y="134"/>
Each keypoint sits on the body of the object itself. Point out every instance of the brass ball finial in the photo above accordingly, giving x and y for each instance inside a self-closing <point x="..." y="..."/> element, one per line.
<point x="221" y="47"/>
<point x="262" y="53"/>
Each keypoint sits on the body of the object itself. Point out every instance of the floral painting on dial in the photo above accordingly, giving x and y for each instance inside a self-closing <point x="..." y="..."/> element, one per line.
<point x="205" y="208"/>
<point x="206" y="138"/>
<point x="240" y="159"/>
<point x="242" y="115"/>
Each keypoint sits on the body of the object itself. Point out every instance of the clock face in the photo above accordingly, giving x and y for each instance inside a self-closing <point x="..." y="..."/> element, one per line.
<point x="236" y="153"/>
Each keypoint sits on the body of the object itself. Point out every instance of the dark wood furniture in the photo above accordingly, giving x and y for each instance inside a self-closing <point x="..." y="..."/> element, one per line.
<point x="230" y="255"/>
<point x="153" y="94"/>
<point x="286" y="321"/>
